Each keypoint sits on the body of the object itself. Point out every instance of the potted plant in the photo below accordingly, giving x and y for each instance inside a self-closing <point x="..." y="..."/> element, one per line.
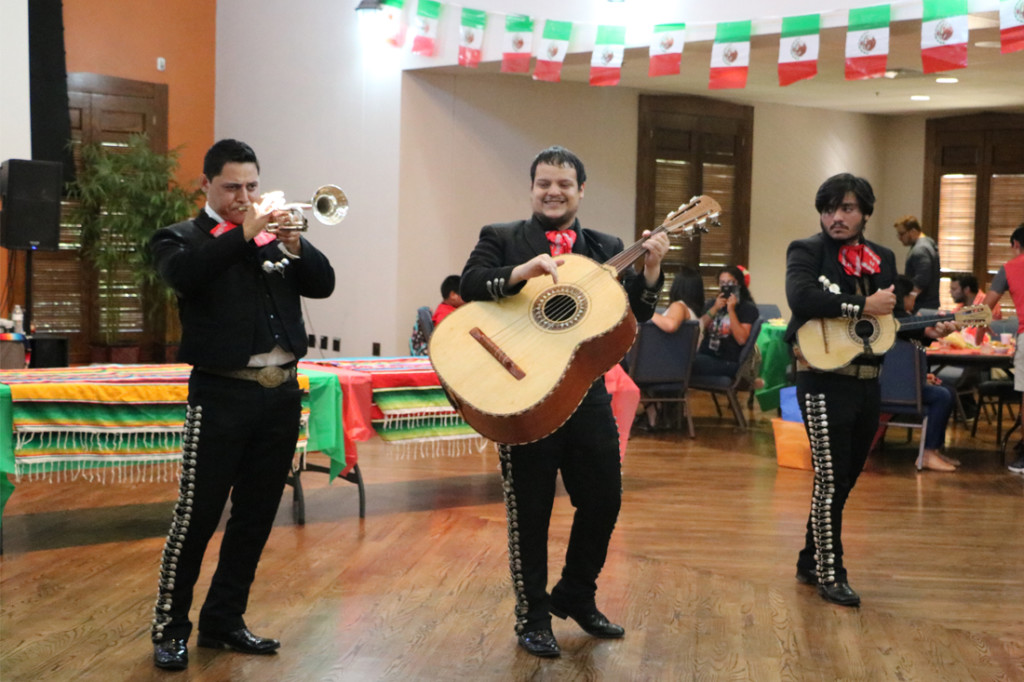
<point x="121" y="196"/>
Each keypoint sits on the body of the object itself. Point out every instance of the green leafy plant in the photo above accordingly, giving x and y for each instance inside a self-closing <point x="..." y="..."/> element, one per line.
<point x="121" y="196"/>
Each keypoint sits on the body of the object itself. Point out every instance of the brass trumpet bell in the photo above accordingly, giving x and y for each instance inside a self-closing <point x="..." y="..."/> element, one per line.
<point x="329" y="204"/>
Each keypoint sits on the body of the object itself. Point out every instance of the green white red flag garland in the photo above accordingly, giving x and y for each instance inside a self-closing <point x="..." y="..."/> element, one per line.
<point x="554" y="45"/>
<point x="517" y="45"/>
<point x="427" y="14"/>
<point x="667" y="49"/>
<point x="798" y="48"/>
<point x="606" y="60"/>
<point x="1011" y="25"/>
<point x="944" y="35"/>
<point x="730" y="55"/>
<point x="471" y="36"/>
<point x="867" y="42"/>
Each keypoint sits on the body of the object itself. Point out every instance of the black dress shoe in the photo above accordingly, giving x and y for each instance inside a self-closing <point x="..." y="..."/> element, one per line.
<point x="540" y="643"/>
<point x="240" y="640"/>
<point x="592" y="621"/>
<point x="806" y="576"/>
<point x="839" y="593"/>
<point x="171" y="654"/>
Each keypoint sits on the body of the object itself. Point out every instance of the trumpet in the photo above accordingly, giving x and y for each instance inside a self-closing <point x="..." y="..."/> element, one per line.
<point x="329" y="204"/>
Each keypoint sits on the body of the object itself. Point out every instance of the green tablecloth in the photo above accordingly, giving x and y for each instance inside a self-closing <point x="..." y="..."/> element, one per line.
<point x="774" y="361"/>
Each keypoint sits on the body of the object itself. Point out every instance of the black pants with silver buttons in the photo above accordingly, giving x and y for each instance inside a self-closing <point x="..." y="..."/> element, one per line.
<point x="239" y="443"/>
<point x="841" y="417"/>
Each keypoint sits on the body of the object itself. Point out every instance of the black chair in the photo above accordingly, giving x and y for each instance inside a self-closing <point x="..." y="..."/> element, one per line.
<point x="997" y="393"/>
<point x="731" y="385"/>
<point x="904" y="372"/>
<point x="768" y="311"/>
<point x="659" y="364"/>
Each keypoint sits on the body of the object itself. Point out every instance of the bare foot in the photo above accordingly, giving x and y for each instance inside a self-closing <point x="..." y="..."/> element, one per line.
<point x="931" y="459"/>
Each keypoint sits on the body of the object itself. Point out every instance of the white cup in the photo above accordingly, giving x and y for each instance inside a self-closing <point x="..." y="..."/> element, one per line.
<point x="1006" y="339"/>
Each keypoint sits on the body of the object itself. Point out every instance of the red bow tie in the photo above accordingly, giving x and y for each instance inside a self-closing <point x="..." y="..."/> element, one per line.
<point x="561" y="241"/>
<point x="859" y="258"/>
<point x="261" y="239"/>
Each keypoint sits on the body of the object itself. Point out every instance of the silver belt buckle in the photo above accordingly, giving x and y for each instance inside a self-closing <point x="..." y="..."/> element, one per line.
<point x="271" y="377"/>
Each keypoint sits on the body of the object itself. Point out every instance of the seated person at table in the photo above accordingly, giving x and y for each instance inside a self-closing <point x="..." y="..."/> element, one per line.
<point x="963" y="289"/>
<point x="685" y="298"/>
<point x="450" y="298"/>
<point x="938" y="398"/>
<point x="726" y="325"/>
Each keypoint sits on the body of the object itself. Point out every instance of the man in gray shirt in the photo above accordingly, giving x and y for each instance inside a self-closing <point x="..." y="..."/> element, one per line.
<point x="922" y="262"/>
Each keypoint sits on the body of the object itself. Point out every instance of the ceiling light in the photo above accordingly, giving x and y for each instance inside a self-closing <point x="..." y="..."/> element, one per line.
<point x="989" y="43"/>
<point x="368" y="4"/>
<point x="919" y="98"/>
<point x="947" y="79"/>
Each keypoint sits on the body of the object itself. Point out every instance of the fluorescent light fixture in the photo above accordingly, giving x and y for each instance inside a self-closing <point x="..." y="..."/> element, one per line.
<point x="920" y="98"/>
<point x="368" y="4"/>
<point x="947" y="79"/>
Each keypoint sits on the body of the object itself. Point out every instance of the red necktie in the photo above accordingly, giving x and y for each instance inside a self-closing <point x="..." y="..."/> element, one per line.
<point x="561" y="241"/>
<point x="261" y="239"/>
<point x="859" y="258"/>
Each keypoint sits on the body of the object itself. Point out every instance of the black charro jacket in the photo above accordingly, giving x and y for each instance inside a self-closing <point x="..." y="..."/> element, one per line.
<point x="224" y="294"/>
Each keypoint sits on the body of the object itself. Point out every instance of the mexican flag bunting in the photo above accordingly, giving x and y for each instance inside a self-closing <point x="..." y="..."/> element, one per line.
<point x="517" y="45"/>
<point x="553" y="46"/>
<point x="1011" y="25"/>
<point x="471" y="36"/>
<point x="427" y="14"/>
<point x="606" y="61"/>
<point x="944" y="35"/>
<point x="798" y="48"/>
<point x="867" y="42"/>
<point x="393" y="19"/>
<point x="667" y="49"/>
<point x="730" y="55"/>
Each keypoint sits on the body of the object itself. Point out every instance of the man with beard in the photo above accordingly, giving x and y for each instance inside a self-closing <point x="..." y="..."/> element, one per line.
<point x="922" y="262"/>
<point x="586" y="447"/>
<point x="838" y="273"/>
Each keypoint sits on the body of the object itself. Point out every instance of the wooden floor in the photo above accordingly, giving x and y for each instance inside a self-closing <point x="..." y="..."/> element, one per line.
<point x="700" y="573"/>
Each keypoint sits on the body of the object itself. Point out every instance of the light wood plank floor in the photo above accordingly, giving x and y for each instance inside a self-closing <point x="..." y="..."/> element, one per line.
<point x="700" y="573"/>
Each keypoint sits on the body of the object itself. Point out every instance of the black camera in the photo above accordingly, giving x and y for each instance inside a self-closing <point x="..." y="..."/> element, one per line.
<point x="728" y="289"/>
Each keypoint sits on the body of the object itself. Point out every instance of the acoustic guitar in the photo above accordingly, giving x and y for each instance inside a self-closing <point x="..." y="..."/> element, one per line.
<point x="831" y="343"/>
<point x="516" y="369"/>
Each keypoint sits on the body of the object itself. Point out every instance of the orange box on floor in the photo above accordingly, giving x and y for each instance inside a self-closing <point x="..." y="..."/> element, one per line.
<point x="792" y="449"/>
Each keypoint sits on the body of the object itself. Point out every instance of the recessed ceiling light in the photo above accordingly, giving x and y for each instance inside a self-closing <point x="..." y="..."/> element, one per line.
<point x="988" y="43"/>
<point x="947" y="79"/>
<point x="920" y="98"/>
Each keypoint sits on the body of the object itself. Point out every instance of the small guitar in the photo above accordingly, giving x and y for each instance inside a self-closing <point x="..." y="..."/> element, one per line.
<point x="831" y="343"/>
<point x="516" y="369"/>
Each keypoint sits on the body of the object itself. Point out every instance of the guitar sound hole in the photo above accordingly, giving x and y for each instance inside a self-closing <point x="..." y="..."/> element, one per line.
<point x="864" y="329"/>
<point x="559" y="308"/>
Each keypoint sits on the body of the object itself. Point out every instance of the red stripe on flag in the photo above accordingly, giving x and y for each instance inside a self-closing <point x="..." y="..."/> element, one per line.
<point x="547" y="71"/>
<point x="1012" y="39"/>
<point x="423" y="45"/>
<point x="665" y="64"/>
<point x="944" y="58"/>
<point x="791" y="72"/>
<point x="603" y="75"/>
<point x="862" y="68"/>
<point x="724" y="78"/>
<point x="469" y="57"/>
<point x="515" y="62"/>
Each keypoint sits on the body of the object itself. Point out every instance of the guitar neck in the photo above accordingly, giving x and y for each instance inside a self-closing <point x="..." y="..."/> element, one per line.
<point x="911" y="323"/>
<point x="627" y="256"/>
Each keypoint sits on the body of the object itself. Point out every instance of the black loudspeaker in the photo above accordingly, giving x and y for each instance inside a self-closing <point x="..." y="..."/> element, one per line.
<point x="31" y="192"/>
<point x="49" y="351"/>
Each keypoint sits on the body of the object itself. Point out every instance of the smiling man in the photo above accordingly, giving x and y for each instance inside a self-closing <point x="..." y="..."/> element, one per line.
<point x="586" y="448"/>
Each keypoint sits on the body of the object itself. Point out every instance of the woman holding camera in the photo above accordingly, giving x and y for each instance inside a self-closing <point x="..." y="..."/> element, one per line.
<point x="726" y="321"/>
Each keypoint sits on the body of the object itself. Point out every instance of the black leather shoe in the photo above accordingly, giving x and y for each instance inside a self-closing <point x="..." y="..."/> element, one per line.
<point x="806" y="576"/>
<point x="540" y="643"/>
<point x="240" y="640"/>
<point x="839" y="593"/>
<point x="171" y="654"/>
<point x="592" y="621"/>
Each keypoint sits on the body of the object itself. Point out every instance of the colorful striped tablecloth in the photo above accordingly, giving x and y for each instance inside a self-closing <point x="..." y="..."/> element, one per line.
<point x="116" y="421"/>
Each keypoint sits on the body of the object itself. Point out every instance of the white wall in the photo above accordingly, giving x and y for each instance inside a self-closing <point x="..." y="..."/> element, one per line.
<point x="427" y="158"/>
<point x="15" y="125"/>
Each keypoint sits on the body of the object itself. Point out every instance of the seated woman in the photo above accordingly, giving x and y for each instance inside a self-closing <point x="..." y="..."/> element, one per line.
<point x="938" y="398"/>
<point x="685" y="298"/>
<point x="726" y="323"/>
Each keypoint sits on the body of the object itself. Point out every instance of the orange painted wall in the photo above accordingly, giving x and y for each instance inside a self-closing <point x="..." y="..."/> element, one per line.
<point x="123" y="38"/>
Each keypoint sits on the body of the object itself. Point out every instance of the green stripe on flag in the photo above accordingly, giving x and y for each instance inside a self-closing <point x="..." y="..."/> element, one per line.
<point x="429" y="9"/>
<point x="940" y="9"/>
<point x="393" y="3"/>
<point x="611" y="35"/>
<point x="800" y="26"/>
<point x="518" y="23"/>
<point x="477" y="18"/>
<point x="557" y="30"/>
<point x="669" y="27"/>
<point x="869" y="17"/>
<point x="733" y="32"/>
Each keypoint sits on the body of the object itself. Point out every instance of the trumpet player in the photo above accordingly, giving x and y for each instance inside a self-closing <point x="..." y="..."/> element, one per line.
<point x="238" y="288"/>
